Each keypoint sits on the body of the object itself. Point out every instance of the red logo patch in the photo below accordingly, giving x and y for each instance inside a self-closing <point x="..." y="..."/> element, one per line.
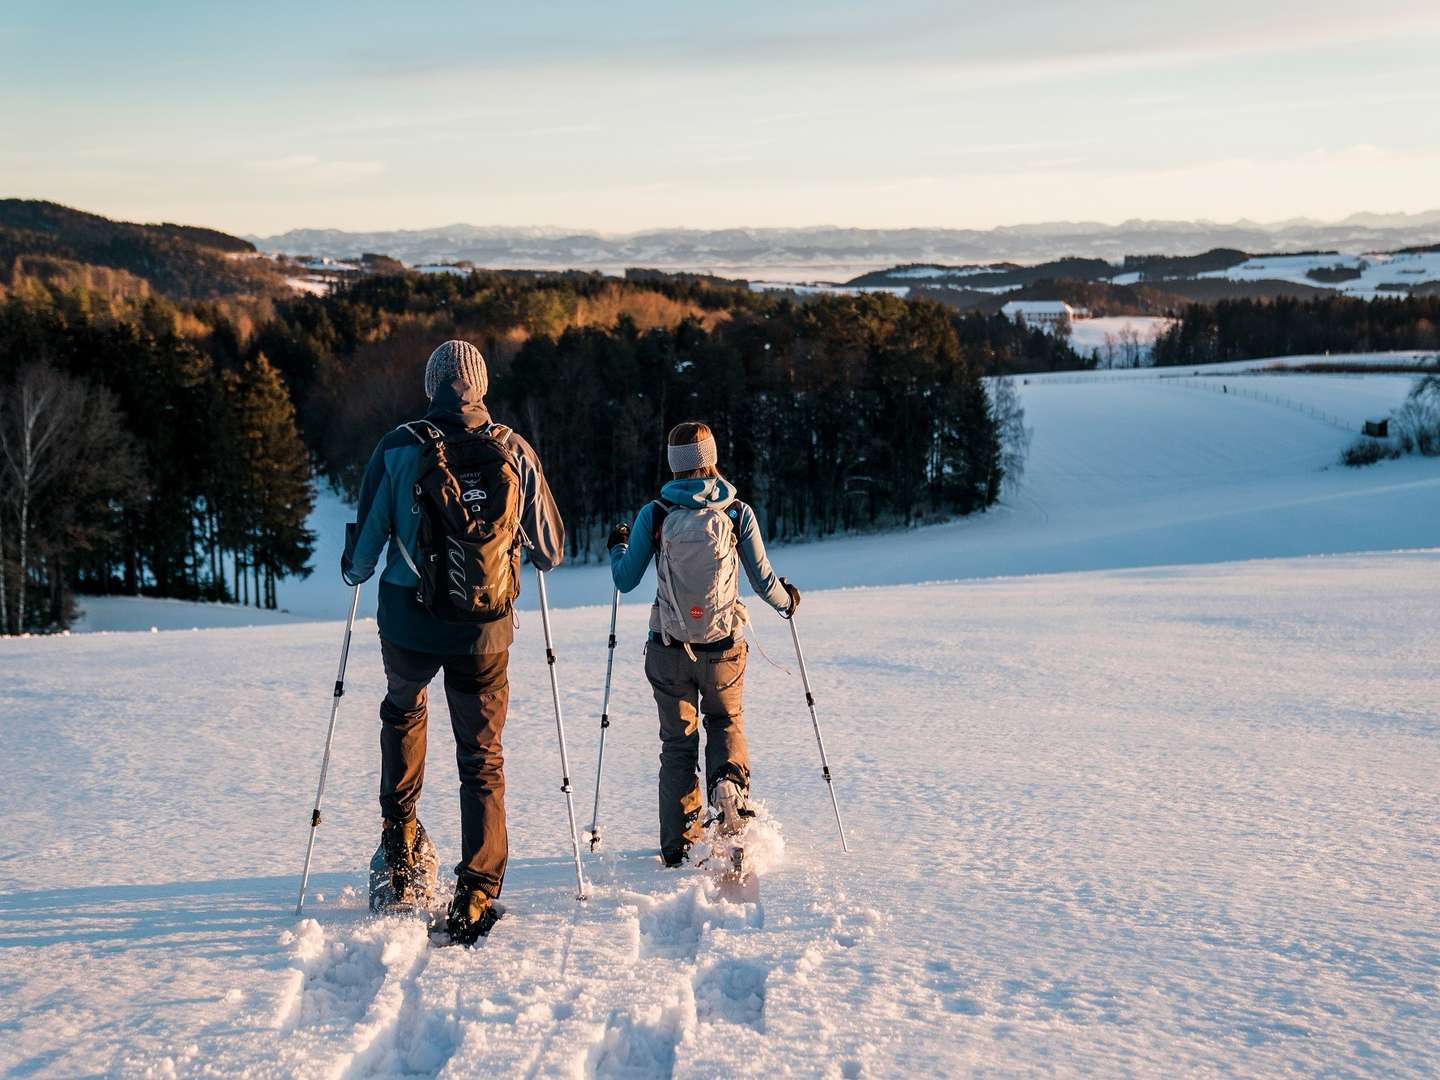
<point x="696" y="612"/>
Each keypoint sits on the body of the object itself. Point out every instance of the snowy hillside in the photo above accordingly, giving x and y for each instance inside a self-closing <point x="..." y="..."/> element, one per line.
<point x="1365" y="276"/>
<point x="1158" y="822"/>
<point x="1108" y="336"/>
<point x="1127" y="468"/>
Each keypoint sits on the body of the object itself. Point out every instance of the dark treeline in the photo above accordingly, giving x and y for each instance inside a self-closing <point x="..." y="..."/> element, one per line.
<point x="136" y="460"/>
<point x="834" y="414"/>
<point x="1000" y="345"/>
<point x="181" y="437"/>
<point x="1248" y="329"/>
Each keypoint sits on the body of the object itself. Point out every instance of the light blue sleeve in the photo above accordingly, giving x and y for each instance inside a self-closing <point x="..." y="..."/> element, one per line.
<point x="752" y="556"/>
<point x="629" y="563"/>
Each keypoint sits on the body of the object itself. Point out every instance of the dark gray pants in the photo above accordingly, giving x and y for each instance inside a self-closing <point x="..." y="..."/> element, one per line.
<point x="477" y="689"/>
<point x="717" y="682"/>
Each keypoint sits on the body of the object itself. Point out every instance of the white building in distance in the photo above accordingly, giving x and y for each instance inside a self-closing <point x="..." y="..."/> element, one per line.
<point x="1041" y="314"/>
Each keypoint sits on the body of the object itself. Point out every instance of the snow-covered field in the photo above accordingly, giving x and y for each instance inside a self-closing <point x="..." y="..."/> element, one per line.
<point x="1108" y="335"/>
<point x="825" y="288"/>
<point x="1170" y="822"/>
<point x="1149" y="819"/>
<point x="116" y="613"/>
<point x="1128" y="468"/>
<point x="1375" y="274"/>
<point x="1125" y="470"/>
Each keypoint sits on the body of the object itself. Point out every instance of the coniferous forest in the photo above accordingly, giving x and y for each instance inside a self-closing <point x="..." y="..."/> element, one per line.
<point x="1247" y="329"/>
<point x="172" y="447"/>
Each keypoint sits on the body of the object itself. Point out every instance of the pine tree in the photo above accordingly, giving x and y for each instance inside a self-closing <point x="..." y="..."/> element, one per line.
<point x="270" y="493"/>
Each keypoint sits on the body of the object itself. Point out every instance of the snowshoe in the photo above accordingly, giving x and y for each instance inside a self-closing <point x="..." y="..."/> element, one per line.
<point x="403" y="870"/>
<point x="472" y="914"/>
<point x="730" y="807"/>
<point x="735" y="879"/>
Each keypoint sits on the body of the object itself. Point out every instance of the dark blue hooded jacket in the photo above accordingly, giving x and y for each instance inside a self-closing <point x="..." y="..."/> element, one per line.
<point x="384" y="521"/>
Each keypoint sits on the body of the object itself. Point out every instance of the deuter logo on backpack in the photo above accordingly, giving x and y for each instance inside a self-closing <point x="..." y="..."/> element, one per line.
<point x="468" y="544"/>
<point x="697" y="569"/>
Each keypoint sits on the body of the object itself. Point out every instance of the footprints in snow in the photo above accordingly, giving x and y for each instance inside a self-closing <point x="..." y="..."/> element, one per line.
<point x="354" y="1008"/>
<point x="671" y="927"/>
<point x="732" y="991"/>
<point x="643" y="1043"/>
<point x="680" y="999"/>
<point x="643" y="985"/>
<point x="948" y="986"/>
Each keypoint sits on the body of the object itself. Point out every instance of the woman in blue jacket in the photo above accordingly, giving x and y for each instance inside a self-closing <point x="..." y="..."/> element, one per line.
<point x="695" y="657"/>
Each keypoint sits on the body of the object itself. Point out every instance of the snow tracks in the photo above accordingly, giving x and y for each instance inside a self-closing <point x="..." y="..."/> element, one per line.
<point x="657" y="976"/>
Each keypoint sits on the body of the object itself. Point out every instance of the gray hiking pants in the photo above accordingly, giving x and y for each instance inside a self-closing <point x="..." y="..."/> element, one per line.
<point x="715" y="681"/>
<point x="477" y="689"/>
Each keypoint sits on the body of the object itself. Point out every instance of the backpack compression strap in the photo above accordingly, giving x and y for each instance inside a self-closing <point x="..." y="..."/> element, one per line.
<point x="663" y="508"/>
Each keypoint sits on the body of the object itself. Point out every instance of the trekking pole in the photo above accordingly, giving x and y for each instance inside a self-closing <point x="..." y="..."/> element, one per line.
<point x="329" y="738"/>
<point x="560" y="732"/>
<point x="815" y="720"/>
<point x="604" y="723"/>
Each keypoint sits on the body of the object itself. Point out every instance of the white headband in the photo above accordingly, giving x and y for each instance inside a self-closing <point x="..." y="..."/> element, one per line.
<point x="686" y="456"/>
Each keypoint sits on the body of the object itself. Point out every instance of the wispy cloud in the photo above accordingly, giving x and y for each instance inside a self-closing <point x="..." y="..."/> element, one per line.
<point x="1036" y="41"/>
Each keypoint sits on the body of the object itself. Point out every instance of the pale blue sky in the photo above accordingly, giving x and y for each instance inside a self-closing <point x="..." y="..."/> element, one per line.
<point x="625" y="115"/>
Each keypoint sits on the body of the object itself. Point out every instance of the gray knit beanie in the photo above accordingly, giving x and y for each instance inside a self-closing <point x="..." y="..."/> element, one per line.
<point x="456" y="360"/>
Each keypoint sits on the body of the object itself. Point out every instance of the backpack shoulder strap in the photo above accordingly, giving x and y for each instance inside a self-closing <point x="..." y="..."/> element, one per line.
<point x="504" y="437"/>
<point x="426" y="433"/>
<point x="659" y="510"/>
<point x="732" y="515"/>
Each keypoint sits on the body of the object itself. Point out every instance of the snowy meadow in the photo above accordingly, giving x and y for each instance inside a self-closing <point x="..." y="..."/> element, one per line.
<point x="1139" y="773"/>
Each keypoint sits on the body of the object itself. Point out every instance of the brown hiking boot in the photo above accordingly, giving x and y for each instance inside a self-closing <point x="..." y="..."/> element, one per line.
<point x="398" y="841"/>
<point x="472" y="914"/>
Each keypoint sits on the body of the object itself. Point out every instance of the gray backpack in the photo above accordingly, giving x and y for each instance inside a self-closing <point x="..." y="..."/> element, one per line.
<point x="697" y="568"/>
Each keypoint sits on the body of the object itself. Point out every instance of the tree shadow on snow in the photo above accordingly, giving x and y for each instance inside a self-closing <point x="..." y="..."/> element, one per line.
<point x="113" y="918"/>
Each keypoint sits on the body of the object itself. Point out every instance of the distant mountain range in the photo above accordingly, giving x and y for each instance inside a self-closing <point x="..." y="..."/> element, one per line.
<point x="1136" y="268"/>
<point x="841" y="253"/>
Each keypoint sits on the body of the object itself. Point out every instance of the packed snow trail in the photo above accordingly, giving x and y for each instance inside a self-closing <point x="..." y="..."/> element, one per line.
<point x="1178" y="820"/>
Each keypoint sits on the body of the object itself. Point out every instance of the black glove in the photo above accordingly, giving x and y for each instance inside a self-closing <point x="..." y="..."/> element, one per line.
<point x="619" y="537"/>
<point x="794" y="597"/>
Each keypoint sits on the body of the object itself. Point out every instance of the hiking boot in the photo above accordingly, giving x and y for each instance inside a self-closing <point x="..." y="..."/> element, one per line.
<point x="731" y="807"/>
<point x="472" y="913"/>
<point x="399" y="840"/>
<point x="675" y="857"/>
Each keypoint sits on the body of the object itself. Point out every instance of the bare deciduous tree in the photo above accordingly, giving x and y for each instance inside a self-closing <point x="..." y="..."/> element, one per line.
<point x="1131" y="348"/>
<point x="66" y="465"/>
<point x="1014" y="435"/>
<point x="34" y="414"/>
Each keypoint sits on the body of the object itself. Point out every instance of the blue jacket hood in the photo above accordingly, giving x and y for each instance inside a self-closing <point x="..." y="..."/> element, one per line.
<point x="466" y="408"/>
<point x="700" y="492"/>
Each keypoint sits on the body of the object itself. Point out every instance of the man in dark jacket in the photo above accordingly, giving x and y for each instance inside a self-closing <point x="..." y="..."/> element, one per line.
<point x="415" y="645"/>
